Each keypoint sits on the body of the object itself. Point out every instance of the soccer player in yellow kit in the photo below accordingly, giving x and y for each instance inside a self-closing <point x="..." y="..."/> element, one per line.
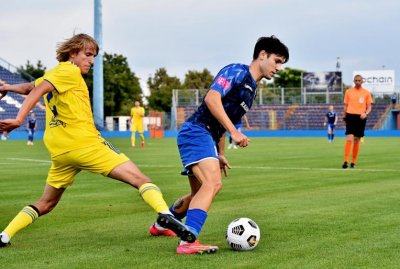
<point x="137" y="114"/>
<point x="72" y="139"/>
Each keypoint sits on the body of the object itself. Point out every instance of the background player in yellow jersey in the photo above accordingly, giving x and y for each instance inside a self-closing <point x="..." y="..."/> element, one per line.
<point x="72" y="139"/>
<point x="137" y="114"/>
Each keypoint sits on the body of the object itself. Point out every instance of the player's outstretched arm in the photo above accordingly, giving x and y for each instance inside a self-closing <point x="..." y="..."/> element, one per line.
<point x="30" y="101"/>
<point x="214" y="104"/>
<point x="22" y="88"/>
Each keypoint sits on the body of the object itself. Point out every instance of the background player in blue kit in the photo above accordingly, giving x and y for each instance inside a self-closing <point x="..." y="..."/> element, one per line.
<point x="201" y="139"/>
<point x="238" y="126"/>
<point x="330" y="120"/>
<point x="31" y="127"/>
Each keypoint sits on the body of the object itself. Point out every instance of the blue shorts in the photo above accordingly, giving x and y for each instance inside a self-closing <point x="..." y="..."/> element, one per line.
<point x="195" y="144"/>
<point x="331" y="126"/>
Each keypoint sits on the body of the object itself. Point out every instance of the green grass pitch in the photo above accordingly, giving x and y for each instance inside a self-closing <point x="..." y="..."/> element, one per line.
<point x="312" y="213"/>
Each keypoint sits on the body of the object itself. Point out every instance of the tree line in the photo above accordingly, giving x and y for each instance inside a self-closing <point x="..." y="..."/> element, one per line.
<point x="122" y="87"/>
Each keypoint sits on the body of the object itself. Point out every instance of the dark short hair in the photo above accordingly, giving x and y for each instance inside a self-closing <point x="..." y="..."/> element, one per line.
<point x="271" y="45"/>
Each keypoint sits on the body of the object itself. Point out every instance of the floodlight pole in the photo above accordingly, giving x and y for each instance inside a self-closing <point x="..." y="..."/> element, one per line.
<point x="337" y="63"/>
<point x="98" y="87"/>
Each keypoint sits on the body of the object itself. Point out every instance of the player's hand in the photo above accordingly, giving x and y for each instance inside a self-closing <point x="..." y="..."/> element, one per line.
<point x="9" y="125"/>
<point x="223" y="164"/>
<point x="240" y="139"/>
<point x="3" y="91"/>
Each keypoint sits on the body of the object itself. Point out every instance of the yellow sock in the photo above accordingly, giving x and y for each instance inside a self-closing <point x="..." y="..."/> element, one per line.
<point x="152" y="195"/>
<point x="133" y="138"/>
<point x="23" y="219"/>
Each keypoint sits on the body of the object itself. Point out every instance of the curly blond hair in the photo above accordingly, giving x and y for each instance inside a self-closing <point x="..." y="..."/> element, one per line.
<point x="74" y="45"/>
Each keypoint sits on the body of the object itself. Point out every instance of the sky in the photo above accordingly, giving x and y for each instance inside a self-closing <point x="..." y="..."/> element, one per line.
<point x="183" y="35"/>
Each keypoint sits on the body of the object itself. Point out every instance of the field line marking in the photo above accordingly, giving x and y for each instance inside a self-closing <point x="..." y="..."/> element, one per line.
<point x="285" y="168"/>
<point x="29" y="160"/>
<point x="246" y="167"/>
<point x="315" y="169"/>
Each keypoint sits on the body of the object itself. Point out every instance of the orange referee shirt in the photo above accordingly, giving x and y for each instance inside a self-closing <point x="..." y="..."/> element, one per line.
<point x="357" y="100"/>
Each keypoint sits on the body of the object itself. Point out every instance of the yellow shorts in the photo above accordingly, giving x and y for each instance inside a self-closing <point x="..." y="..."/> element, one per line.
<point x="101" y="159"/>
<point x="138" y="127"/>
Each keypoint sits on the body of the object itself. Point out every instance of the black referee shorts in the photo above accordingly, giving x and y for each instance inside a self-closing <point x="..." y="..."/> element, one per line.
<point x="355" y="125"/>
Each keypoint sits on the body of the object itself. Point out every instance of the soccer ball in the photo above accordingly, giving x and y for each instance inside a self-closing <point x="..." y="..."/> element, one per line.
<point x="243" y="234"/>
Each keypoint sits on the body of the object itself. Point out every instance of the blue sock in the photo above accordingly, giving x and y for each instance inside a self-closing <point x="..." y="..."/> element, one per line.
<point x="195" y="219"/>
<point x="179" y="216"/>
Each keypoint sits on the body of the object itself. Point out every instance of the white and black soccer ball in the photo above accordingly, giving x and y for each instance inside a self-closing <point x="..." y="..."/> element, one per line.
<point x="243" y="234"/>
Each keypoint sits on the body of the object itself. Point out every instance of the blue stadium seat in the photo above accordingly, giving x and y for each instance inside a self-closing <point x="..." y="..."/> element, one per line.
<point x="300" y="117"/>
<point x="9" y="105"/>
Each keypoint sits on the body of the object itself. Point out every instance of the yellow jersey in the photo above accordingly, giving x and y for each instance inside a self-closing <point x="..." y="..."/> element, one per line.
<point x="69" y="118"/>
<point x="137" y="113"/>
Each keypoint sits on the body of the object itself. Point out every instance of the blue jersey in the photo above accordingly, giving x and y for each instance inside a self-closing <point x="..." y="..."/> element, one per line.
<point x="238" y="90"/>
<point x="31" y="123"/>
<point x="331" y="117"/>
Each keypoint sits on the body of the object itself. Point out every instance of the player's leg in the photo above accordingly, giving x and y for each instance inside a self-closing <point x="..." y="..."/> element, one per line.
<point x="207" y="172"/>
<point x="129" y="173"/>
<point x="178" y="209"/>
<point x="32" y="136"/>
<point x="60" y="176"/>
<point x="29" y="137"/>
<point x="50" y="198"/>
<point x="350" y="131"/>
<point x="142" y="139"/>
<point x="140" y="131"/>
<point x="133" y="139"/>
<point x="358" y="134"/>
<point x="347" y="149"/>
<point x="205" y="186"/>
<point x="109" y="162"/>
<point x="329" y="133"/>
<point x="356" y="149"/>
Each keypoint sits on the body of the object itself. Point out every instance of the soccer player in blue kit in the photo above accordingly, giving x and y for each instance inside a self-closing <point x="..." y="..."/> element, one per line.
<point x="201" y="139"/>
<point x="331" y="120"/>
<point x="31" y="127"/>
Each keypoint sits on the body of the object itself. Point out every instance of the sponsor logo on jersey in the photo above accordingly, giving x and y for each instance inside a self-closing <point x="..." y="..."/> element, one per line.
<point x="223" y="82"/>
<point x="54" y="122"/>
<point x="245" y="107"/>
